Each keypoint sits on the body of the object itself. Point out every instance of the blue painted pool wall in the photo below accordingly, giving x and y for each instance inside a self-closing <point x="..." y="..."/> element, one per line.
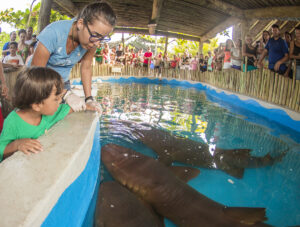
<point x="277" y="115"/>
<point x="73" y="205"/>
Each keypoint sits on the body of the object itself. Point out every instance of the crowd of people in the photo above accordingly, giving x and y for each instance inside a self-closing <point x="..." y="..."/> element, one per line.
<point x="18" y="53"/>
<point x="271" y="51"/>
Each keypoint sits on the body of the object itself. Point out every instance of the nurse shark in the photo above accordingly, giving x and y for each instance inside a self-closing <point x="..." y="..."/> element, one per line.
<point x="117" y="206"/>
<point x="170" y="196"/>
<point x="171" y="148"/>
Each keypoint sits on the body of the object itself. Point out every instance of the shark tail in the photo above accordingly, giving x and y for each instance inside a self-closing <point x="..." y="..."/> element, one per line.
<point x="233" y="162"/>
<point x="246" y="215"/>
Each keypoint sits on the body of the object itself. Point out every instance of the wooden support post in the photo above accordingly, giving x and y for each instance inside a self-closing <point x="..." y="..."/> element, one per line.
<point x="44" y="16"/>
<point x="156" y="8"/>
<point x="166" y="45"/>
<point x="123" y="42"/>
<point x="200" y="50"/>
<point x="244" y="29"/>
<point x="236" y="32"/>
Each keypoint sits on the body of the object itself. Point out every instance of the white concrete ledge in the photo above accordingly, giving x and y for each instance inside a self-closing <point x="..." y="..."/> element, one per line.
<point x="30" y="185"/>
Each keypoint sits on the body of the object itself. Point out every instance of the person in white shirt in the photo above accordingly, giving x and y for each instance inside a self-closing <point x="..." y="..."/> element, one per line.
<point x="13" y="58"/>
<point x="29" y="39"/>
<point x="236" y="55"/>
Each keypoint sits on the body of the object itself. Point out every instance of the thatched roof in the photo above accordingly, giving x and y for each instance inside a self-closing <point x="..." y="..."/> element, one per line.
<point x="190" y="19"/>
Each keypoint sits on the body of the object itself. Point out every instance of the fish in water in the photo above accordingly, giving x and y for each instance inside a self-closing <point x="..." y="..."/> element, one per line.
<point x="117" y="206"/>
<point x="171" y="148"/>
<point x="170" y="196"/>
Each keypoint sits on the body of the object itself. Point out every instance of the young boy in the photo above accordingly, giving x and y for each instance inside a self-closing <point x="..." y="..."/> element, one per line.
<point x="13" y="58"/>
<point x="37" y="96"/>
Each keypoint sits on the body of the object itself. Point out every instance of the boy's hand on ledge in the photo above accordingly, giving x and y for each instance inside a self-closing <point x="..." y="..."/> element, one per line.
<point x="28" y="146"/>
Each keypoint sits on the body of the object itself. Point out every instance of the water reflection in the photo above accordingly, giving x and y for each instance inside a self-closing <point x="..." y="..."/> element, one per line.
<point x="186" y="113"/>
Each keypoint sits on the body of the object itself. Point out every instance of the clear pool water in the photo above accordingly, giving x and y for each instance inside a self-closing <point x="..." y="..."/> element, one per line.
<point x="198" y="115"/>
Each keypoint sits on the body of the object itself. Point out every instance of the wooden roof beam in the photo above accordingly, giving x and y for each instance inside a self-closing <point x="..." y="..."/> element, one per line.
<point x="293" y="29"/>
<point x="220" y="27"/>
<point x="266" y="28"/>
<point x="226" y="8"/>
<point x="254" y="24"/>
<point x="156" y="8"/>
<point x="68" y="6"/>
<point x="158" y="32"/>
<point x="280" y="12"/>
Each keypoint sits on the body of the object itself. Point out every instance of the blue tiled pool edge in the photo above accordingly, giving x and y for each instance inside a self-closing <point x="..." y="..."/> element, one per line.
<point x="73" y="205"/>
<point x="277" y="115"/>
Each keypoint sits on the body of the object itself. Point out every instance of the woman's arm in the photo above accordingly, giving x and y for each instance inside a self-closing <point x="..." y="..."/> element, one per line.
<point x="86" y="71"/>
<point x="41" y="56"/>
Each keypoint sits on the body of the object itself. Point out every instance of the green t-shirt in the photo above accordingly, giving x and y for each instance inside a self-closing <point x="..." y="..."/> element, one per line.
<point x="15" y="127"/>
<point x="98" y="52"/>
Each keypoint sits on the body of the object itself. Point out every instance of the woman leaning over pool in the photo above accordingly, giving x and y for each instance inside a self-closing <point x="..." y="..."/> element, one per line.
<point x="64" y="43"/>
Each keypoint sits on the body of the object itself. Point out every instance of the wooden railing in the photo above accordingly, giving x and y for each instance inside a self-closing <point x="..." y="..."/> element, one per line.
<point x="262" y="84"/>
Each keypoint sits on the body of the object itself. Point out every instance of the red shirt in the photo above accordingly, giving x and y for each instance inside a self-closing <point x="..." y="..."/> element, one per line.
<point x="132" y="57"/>
<point x="147" y="55"/>
<point x="174" y="63"/>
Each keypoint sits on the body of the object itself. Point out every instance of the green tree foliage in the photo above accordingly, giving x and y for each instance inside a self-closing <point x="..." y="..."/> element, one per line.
<point x="193" y="47"/>
<point x="19" y="19"/>
<point x="175" y="46"/>
<point x="4" y="37"/>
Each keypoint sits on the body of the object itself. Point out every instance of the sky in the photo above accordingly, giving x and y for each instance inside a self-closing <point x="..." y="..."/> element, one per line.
<point x="23" y="4"/>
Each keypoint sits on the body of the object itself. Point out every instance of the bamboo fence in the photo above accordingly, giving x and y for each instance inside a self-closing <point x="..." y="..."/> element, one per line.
<point x="261" y="84"/>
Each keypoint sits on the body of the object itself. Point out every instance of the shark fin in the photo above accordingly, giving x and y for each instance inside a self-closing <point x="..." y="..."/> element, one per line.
<point x="185" y="173"/>
<point x="234" y="171"/>
<point x="246" y="215"/>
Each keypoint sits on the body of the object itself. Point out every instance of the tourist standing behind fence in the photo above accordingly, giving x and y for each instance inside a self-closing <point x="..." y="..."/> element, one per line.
<point x="250" y="52"/>
<point x="5" y="49"/>
<point x="64" y="43"/>
<point x="295" y="51"/>
<point x="23" y="48"/>
<point x="236" y="55"/>
<point x="277" y="50"/>
<point x="261" y="46"/>
<point x="147" y="57"/>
